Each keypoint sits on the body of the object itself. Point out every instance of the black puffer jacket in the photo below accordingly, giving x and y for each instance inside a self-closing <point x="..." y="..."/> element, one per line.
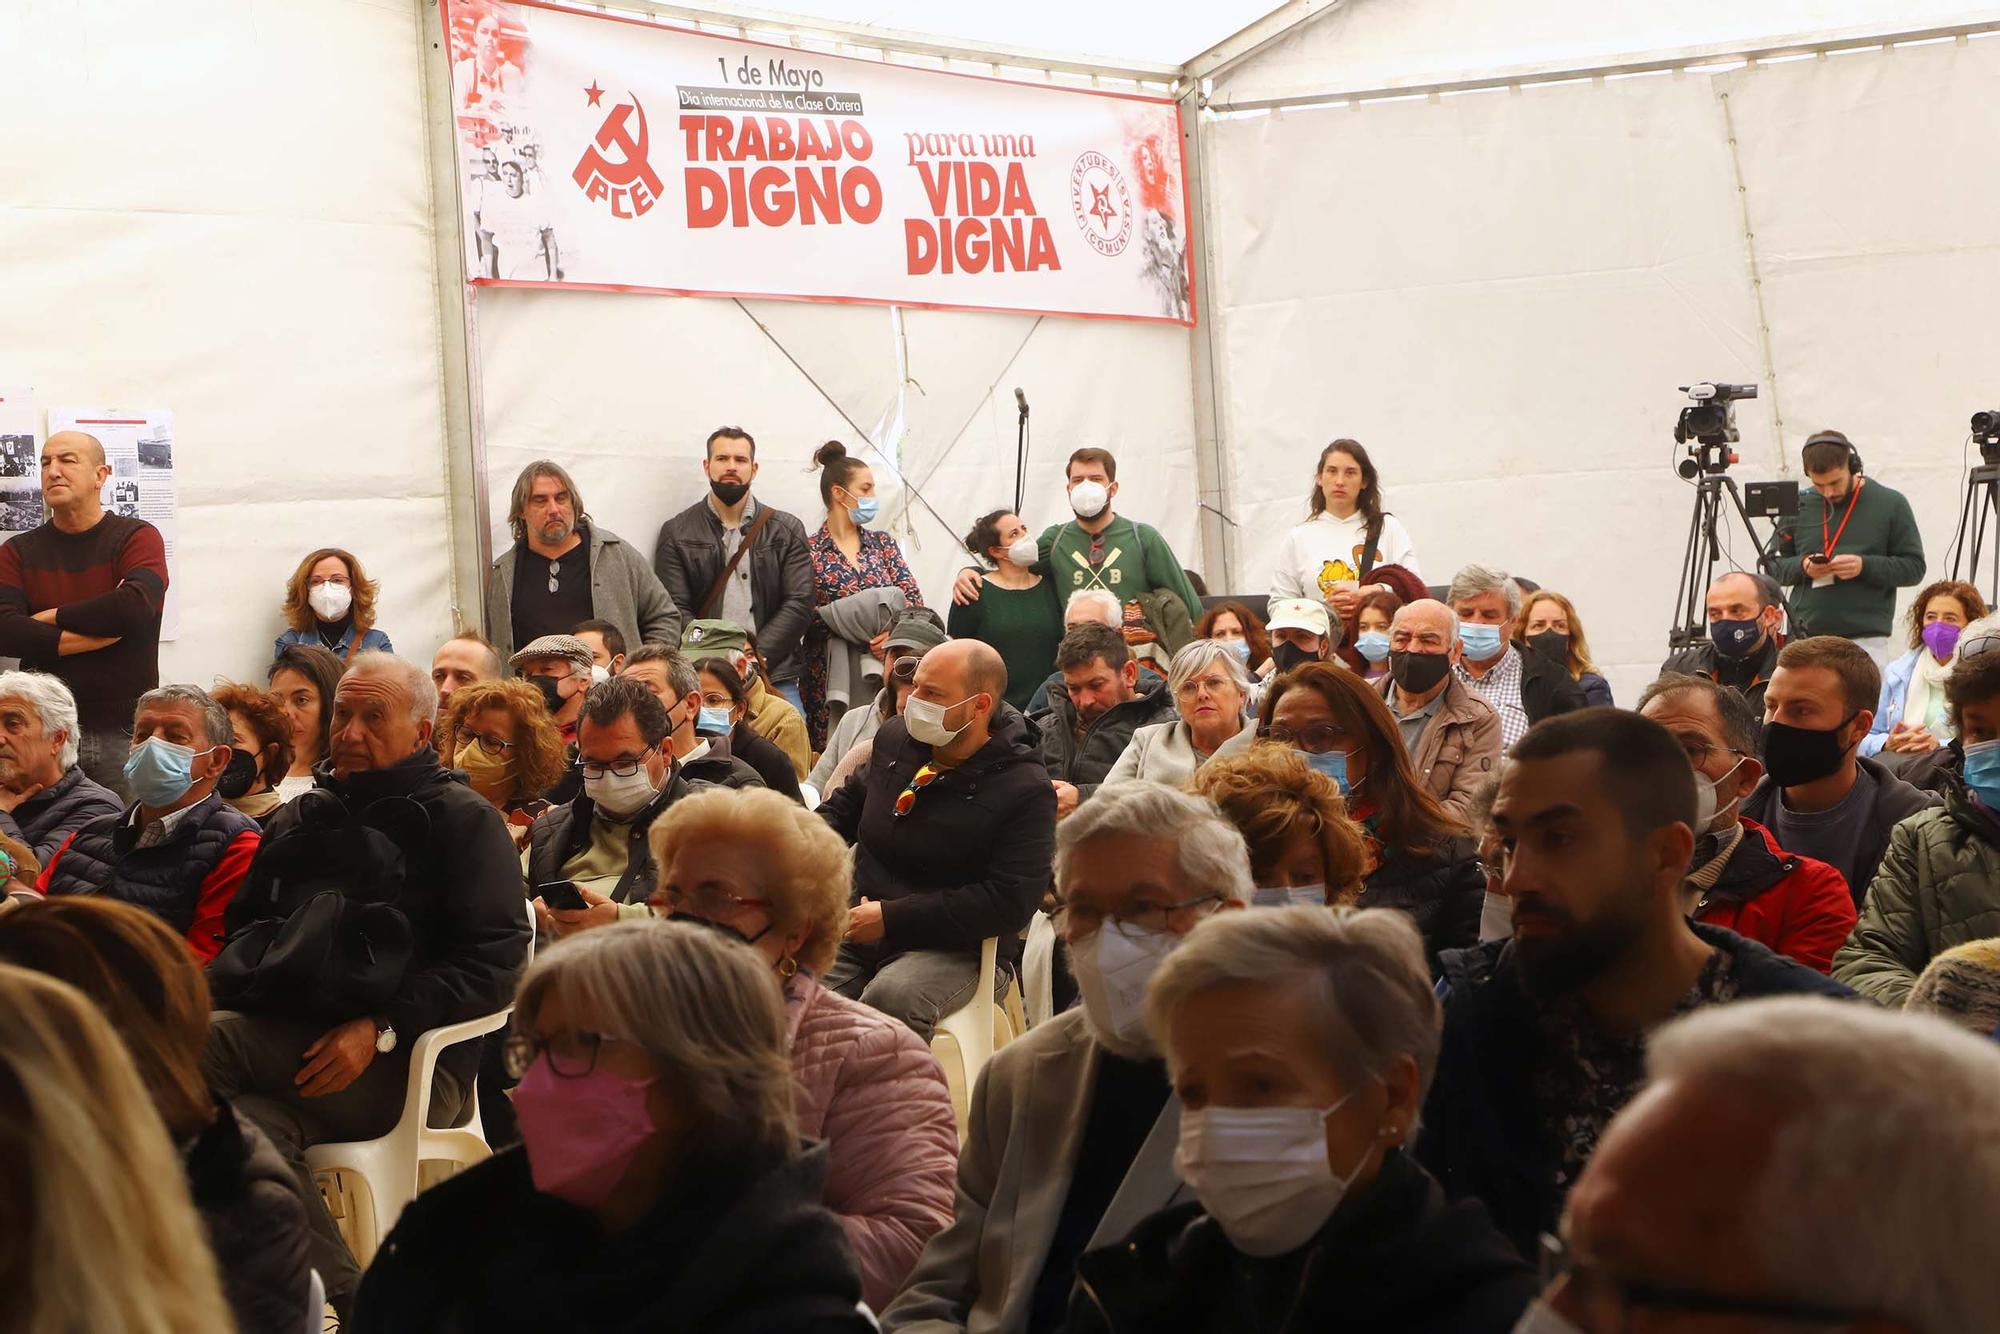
<point x="1442" y="893"/>
<point x="972" y="857"/>
<point x="735" y="1248"/>
<point x="1396" y="1257"/>
<point x="44" y="820"/>
<point x="249" y="1203"/>
<point x="465" y="894"/>
<point x="1083" y="762"/>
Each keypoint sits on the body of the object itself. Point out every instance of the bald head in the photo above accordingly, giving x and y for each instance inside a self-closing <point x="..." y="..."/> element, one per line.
<point x="1427" y="614"/>
<point x="967" y="680"/>
<point x="90" y="447"/>
<point x="971" y="665"/>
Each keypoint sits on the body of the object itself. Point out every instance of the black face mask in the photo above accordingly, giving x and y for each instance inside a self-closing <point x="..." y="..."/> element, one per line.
<point x="551" y="688"/>
<point x="1797" y="755"/>
<point x="1288" y="656"/>
<point x="238" y="776"/>
<point x="729" y="492"/>
<point x="1416" y="673"/>
<point x="1553" y="645"/>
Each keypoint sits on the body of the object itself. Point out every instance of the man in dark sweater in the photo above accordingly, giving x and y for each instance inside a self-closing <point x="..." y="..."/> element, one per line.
<point x="1853" y="544"/>
<point x="80" y="597"/>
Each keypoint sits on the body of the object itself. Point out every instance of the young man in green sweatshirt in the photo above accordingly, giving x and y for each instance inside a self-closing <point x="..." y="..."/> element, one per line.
<point x="1853" y="544"/>
<point x="1099" y="548"/>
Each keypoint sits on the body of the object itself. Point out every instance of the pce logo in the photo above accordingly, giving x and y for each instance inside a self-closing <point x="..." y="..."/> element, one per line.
<point x="628" y="181"/>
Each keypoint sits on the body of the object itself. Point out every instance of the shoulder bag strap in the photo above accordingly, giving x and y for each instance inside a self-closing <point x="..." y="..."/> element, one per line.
<point x="713" y="597"/>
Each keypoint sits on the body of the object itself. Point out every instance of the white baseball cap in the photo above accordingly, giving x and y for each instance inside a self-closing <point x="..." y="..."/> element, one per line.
<point x="1298" y="614"/>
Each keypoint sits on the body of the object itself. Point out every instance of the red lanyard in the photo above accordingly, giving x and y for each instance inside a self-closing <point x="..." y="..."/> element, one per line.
<point x="1829" y="543"/>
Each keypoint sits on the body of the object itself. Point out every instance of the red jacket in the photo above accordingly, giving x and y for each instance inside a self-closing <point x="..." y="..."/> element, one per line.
<point x="1794" y="905"/>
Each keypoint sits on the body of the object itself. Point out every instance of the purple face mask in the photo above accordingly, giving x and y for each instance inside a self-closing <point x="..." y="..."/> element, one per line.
<point x="1941" y="637"/>
<point x="582" y="1133"/>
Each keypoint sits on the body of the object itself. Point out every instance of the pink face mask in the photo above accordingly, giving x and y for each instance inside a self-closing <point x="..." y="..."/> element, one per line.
<point x="582" y="1133"/>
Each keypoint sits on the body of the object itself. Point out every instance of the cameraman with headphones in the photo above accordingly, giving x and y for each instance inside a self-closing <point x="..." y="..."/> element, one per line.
<point x="1852" y="545"/>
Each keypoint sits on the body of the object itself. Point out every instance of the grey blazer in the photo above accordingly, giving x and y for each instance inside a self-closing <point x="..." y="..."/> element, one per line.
<point x="1026" y="1125"/>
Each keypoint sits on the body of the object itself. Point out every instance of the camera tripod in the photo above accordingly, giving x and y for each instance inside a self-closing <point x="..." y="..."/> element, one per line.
<point x="1704" y="549"/>
<point x="1980" y="505"/>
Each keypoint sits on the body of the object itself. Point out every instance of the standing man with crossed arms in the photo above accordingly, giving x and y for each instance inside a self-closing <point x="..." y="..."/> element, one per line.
<point x="728" y="558"/>
<point x="80" y="598"/>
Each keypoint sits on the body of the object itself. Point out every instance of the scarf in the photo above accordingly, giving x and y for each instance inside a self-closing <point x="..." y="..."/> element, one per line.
<point x="1696" y="884"/>
<point x="1926" y="691"/>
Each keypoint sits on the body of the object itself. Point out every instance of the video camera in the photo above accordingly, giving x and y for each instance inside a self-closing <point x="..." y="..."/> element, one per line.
<point x="1986" y="433"/>
<point x="1707" y="426"/>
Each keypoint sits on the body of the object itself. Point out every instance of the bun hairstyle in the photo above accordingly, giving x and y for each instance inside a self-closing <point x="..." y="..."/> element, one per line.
<point x="985" y="535"/>
<point x="836" y="466"/>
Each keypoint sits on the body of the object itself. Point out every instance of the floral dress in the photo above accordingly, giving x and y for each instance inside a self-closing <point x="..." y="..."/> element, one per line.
<point x="881" y="566"/>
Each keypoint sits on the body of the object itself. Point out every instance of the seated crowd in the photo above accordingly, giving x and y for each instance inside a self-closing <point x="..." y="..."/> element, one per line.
<point x="1396" y="979"/>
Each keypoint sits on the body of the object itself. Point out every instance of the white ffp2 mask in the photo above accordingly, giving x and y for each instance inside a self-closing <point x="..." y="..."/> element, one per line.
<point x="1112" y="967"/>
<point x="1262" y="1173"/>
<point x="330" y="601"/>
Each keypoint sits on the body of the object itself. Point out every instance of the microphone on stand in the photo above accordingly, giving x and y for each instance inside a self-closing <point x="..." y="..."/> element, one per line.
<point x="1020" y="449"/>
<point x="1021" y="399"/>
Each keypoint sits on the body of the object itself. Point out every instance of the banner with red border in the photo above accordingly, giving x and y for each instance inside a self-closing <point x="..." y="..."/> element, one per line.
<point x="614" y="153"/>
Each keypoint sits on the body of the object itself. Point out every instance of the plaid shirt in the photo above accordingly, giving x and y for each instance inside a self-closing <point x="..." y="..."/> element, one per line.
<point x="1501" y="687"/>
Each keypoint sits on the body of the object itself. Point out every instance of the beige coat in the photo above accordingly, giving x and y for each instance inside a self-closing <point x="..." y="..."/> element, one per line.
<point x="1029" y="1110"/>
<point x="1460" y="745"/>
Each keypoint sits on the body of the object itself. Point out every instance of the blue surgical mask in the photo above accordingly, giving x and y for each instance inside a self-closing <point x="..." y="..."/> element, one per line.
<point x="160" y="772"/>
<point x="865" y="510"/>
<point x="1332" y="763"/>
<point x="1480" y="642"/>
<point x="1372" y="645"/>
<point x="1289" y="896"/>
<point x="1982" y="771"/>
<point x="1240" y="647"/>
<point x="711" y="721"/>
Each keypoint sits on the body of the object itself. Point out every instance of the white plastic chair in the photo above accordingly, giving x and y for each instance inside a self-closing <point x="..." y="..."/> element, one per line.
<point x="315" y="1303"/>
<point x="974" y="1031"/>
<point x="388" y="1168"/>
<point x="1038" y="970"/>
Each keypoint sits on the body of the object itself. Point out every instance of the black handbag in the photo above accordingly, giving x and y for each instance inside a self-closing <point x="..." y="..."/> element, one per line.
<point x="315" y="932"/>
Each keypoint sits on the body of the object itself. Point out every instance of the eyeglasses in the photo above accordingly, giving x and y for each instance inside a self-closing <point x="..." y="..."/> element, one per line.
<point x="1317" y="738"/>
<point x="622" y="767"/>
<point x="1699" y="751"/>
<point x="1214" y="685"/>
<point x="493" y="745"/>
<point x="709" y="901"/>
<point x="1610" y="1299"/>
<point x="921" y="779"/>
<point x="555" y="576"/>
<point x="1080" y="921"/>
<point x="570" y="1055"/>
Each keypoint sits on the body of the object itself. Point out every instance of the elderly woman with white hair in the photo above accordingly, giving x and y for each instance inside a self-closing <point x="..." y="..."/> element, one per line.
<point x="758" y="867"/>
<point x="1300" y="1042"/>
<point x="1210" y="688"/>
<point x="662" y="1183"/>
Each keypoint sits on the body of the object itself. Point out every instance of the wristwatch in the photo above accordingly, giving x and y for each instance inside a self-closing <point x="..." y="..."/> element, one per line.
<point x="385" y="1037"/>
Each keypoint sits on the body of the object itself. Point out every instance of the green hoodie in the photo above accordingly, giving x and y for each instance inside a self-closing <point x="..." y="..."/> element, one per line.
<point x="1136" y="560"/>
<point x="1881" y="530"/>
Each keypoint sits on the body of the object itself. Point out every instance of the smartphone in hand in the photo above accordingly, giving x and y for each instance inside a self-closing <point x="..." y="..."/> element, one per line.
<point x="561" y="894"/>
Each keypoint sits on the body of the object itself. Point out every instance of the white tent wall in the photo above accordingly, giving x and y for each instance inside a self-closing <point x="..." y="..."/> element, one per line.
<point x="623" y="389"/>
<point x="1357" y="44"/>
<point x="206" y="213"/>
<point x="1498" y="292"/>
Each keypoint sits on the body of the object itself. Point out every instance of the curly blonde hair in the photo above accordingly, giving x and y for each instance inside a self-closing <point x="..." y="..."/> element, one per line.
<point x="298" y="611"/>
<point x="1273" y="796"/>
<point x="539" y="755"/>
<point x="811" y="870"/>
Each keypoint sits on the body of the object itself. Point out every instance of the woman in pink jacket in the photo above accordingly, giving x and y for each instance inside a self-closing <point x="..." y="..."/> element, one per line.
<point x="764" y="869"/>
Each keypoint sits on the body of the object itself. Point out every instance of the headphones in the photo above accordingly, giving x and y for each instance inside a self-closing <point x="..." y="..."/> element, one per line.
<point x="1833" y="438"/>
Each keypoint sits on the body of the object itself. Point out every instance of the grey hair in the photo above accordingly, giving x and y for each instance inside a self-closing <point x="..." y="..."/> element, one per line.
<point x="1362" y="969"/>
<point x="216" y="728"/>
<point x="1113" y="614"/>
<point x="1472" y="580"/>
<point x="682" y="678"/>
<point x="52" y="703"/>
<point x="707" y="1010"/>
<point x="1848" y="1089"/>
<point x="416" y="683"/>
<point x="1198" y="656"/>
<point x="1212" y="853"/>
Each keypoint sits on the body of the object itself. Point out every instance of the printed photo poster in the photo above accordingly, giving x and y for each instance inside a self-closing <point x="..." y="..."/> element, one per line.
<point x="139" y="446"/>
<point x="20" y="463"/>
<point x="611" y="153"/>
